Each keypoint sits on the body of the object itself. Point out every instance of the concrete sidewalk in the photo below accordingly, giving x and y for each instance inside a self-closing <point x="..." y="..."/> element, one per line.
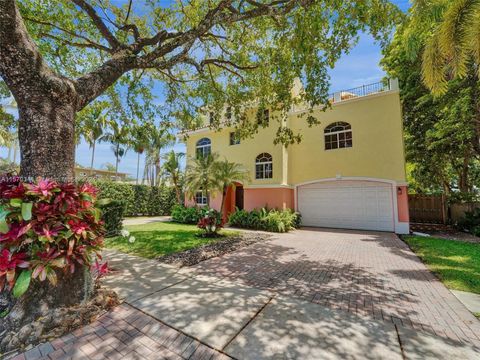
<point x="141" y="220"/>
<point x="470" y="300"/>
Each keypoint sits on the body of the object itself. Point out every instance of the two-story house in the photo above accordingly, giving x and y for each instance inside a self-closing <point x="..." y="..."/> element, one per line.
<point x="347" y="172"/>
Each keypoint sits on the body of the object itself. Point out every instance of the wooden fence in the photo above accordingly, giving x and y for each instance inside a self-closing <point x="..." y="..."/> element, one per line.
<point x="429" y="209"/>
<point x="433" y="209"/>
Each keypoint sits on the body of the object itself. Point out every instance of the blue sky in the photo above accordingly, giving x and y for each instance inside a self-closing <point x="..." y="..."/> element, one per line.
<point x="360" y="66"/>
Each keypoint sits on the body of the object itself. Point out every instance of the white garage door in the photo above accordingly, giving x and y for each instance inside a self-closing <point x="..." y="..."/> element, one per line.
<point x="347" y="204"/>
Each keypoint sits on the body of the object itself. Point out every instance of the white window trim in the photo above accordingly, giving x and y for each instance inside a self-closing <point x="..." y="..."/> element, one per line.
<point x="325" y="134"/>
<point x="263" y="163"/>
<point x="203" y="196"/>
<point x="203" y="146"/>
<point x="336" y="132"/>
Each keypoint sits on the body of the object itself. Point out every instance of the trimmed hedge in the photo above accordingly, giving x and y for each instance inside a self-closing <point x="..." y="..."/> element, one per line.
<point x="267" y="220"/>
<point x="140" y="200"/>
<point x="112" y="214"/>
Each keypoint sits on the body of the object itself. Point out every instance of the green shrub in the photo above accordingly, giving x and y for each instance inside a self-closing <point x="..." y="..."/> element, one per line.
<point x="112" y="214"/>
<point x="267" y="220"/>
<point x="476" y="230"/>
<point x="471" y="222"/>
<point x="187" y="215"/>
<point x="140" y="200"/>
<point x="210" y="223"/>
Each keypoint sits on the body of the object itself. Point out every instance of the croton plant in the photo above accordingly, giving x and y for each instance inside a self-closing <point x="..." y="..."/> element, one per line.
<point x="46" y="227"/>
<point x="211" y="222"/>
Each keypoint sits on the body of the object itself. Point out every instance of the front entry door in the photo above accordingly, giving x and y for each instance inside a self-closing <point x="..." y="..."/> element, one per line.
<point x="239" y="197"/>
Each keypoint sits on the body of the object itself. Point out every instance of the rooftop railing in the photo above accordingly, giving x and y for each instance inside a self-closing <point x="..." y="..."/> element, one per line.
<point x="365" y="90"/>
<point x="355" y="93"/>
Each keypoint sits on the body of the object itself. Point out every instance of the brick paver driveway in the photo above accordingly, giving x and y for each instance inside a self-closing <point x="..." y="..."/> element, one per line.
<point x="310" y="294"/>
<point x="365" y="273"/>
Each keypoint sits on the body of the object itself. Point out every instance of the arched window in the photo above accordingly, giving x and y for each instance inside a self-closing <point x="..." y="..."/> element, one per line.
<point x="204" y="147"/>
<point x="338" y="135"/>
<point x="263" y="166"/>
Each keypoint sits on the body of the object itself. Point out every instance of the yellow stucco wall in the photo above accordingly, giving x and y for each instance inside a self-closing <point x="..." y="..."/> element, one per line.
<point x="245" y="152"/>
<point x="377" y="150"/>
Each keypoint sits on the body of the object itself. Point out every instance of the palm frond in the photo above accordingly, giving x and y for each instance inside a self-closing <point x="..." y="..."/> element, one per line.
<point x="474" y="38"/>
<point x="453" y="38"/>
<point x="433" y="67"/>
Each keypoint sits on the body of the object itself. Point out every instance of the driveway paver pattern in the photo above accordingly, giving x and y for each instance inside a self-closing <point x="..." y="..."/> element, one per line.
<point x="124" y="333"/>
<point x="365" y="273"/>
<point x="308" y="294"/>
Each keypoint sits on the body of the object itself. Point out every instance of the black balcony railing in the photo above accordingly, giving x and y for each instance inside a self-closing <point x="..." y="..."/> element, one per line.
<point x="361" y="91"/>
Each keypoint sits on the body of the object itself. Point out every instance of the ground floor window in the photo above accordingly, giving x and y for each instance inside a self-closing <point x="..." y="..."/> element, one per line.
<point x="201" y="198"/>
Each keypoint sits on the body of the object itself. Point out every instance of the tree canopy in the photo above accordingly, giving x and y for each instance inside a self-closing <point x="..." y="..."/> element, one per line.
<point x="441" y="130"/>
<point x="202" y="53"/>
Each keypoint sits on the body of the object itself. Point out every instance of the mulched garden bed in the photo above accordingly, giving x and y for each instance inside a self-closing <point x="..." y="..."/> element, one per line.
<point x="446" y="232"/>
<point x="218" y="248"/>
<point x="455" y="236"/>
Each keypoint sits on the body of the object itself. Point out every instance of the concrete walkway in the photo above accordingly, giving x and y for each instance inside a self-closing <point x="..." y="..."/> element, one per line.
<point x="470" y="300"/>
<point x="141" y="220"/>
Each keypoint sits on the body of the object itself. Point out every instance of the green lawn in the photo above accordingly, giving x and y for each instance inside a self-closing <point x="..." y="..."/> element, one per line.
<point x="456" y="263"/>
<point x="160" y="238"/>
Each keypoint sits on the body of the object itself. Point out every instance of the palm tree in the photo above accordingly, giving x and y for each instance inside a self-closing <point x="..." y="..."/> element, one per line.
<point x="200" y="176"/>
<point x="171" y="168"/>
<point x="139" y="142"/>
<point x="119" y="152"/>
<point x="92" y="123"/>
<point x="117" y="135"/>
<point x="226" y="174"/>
<point x="158" y="139"/>
<point x="455" y="40"/>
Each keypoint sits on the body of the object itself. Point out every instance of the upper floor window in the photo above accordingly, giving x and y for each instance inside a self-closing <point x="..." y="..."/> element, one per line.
<point x="228" y="113"/>
<point x="263" y="166"/>
<point x="338" y="135"/>
<point x="204" y="147"/>
<point x="211" y="117"/>
<point x="234" y="138"/>
<point x="263" y="117"/>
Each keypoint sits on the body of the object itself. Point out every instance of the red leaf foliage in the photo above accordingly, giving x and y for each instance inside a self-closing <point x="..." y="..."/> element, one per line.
<point x="64" y="233"/>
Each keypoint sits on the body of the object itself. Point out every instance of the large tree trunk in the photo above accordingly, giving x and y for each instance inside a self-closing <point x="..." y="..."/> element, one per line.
<point x="71" y="289"/>
<point x="47" y="103"/>
<point x="47" y="138"/>
<point x="47" y="144"/>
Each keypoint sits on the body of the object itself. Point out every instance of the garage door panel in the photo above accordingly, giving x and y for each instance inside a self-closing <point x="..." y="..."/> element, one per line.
<point x="347" y="204"/>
